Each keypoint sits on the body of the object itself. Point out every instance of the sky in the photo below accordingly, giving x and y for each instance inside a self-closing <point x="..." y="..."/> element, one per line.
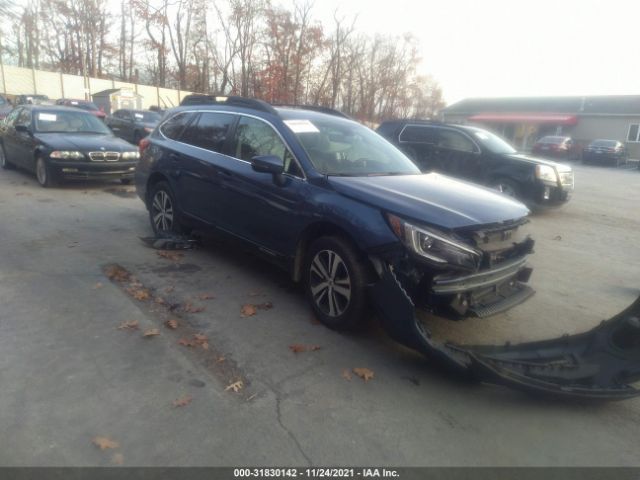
<point x="493" y="48"/>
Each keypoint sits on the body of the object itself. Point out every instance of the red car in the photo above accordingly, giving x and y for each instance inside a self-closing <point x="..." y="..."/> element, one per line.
<point x="84" y="105"/>
<point x="556" y="146"/>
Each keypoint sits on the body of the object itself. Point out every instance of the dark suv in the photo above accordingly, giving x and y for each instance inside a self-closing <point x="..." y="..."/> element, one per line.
<point x="335" y="204"/>
<point x="482" y="157"/>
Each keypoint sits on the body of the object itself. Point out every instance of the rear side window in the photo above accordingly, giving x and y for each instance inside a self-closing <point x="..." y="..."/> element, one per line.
<point x="173" y="127"/>
<point x="209" y="131"/>
<point x="417" y="134"/>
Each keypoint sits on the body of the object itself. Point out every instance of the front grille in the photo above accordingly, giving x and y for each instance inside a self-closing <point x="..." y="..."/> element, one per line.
<point x="104" y="156"/>
<point x="566" y="179"/>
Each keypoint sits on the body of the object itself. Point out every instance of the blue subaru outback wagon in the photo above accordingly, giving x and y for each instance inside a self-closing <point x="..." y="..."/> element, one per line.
<point x="335" y="204"/>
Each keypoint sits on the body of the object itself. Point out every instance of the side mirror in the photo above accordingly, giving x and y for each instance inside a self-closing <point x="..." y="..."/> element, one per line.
<point x="268" y="164"/>
<point x="22" y="128"/>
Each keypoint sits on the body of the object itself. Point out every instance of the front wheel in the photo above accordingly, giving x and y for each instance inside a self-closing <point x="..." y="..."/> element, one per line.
<point x="506" y="186"/>
<point x="44" y="174"/>
<point x="336" y="280"/>
<point x="4" y="163"/>
<point x="162" y="210"/>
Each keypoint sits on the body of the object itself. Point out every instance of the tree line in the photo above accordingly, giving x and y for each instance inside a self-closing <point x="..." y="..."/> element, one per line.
<point x="254" y="48"/>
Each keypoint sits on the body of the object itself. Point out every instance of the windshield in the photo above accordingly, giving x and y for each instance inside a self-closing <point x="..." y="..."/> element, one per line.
<point x="492" y="142"/>
<point x="146" y="117"/>
<point x="345" y="148"/>
<point x="68" y="122"/>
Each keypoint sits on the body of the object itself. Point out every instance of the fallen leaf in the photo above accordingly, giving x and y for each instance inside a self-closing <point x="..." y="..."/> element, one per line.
<point x="265" y="306"/>
<point x="248" y="310"/>
<point x="169" y="255"/>
<point x="186" y="343"/>
<point x="346" y="374"/>
<point x="172" y="324"/>
<point x="117" y="273"/>
<point x="297" y="348"/>
<point x="220" y="359"/>
<point x="139" y="293"/>
<point x="314" y="348"/>
<point x="117" y="459"/>
<point x="182" y="401"/>
<point x="206" y="296"/>
<point x="151" y="332"/>
<point x="97" y="285"/>
<point x="104" y="443"/>
<point x="190" y="308"/>
<point x="202" y="340"/>
<point x="159" y="300"/>
<point x="236" y="386"/>
<point x="363" y="373"/>
<point x="130" y="325"/>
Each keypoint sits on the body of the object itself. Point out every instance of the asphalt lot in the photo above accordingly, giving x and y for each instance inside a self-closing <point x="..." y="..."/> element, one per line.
<point x="68" y="374"/>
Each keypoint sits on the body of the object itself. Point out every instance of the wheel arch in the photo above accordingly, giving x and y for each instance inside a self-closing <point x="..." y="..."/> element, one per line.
<point x="313" y="232"/>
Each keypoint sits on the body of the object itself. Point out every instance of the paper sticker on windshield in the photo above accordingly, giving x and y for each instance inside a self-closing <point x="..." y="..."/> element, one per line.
<point x="301" y="126"/>
<point x="138" y="115"/>
<point x="47" y="117"/>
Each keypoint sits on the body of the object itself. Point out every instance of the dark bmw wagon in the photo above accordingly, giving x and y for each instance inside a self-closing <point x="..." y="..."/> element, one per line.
<point x="333" y="202"/>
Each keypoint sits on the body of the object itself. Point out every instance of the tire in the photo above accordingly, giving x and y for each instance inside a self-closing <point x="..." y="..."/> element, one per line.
<point x="4" y="163"/>
<point x="163" y="213"/>
<point x="44" y="173"/>
<point x="507" y="187"/>
<point x="336" y="277"/>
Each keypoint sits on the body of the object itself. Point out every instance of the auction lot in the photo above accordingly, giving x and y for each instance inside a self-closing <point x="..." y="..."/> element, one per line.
<point x="69" y="374"/>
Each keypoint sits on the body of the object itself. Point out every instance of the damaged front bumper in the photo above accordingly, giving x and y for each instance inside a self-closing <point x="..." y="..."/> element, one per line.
<point x="599" y="364"/>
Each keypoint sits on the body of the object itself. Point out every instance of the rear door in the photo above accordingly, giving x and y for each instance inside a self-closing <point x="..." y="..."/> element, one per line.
<point x="23" y="141"/>
<point x="9" y="137"/>
<point x="198" y="162"/>
<point x="418" y="143"/>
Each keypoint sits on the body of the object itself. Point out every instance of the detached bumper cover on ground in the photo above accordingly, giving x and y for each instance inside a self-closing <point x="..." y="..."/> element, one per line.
<point x="598" y="364"/>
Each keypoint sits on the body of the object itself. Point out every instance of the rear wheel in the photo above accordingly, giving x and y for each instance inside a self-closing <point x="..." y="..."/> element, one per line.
<point x="162" y="210"/>
<point x="4" y="163"/>
<point x="44" y="173"/>
<point x="336" y="280"/>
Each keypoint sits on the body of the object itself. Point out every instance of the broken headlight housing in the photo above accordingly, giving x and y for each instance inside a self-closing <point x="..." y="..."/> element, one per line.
<point x="433" y="246"/>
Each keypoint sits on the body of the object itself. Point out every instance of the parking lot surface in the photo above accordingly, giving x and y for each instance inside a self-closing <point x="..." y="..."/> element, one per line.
<point x="69" y="374"/>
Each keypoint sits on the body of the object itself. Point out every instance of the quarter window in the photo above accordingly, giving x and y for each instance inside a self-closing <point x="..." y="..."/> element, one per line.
<point x="209" y="131"/>
<point x="634" y="133"/>
<point x="255" y="137"/>
<point x="173" y="127"/>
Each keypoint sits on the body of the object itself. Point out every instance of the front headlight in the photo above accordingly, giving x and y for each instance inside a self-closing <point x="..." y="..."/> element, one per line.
<point x="434" y="246"/>
<point x="130" y="155"/>
<point x="547" y="174"/>
<point x="66" y="155"/>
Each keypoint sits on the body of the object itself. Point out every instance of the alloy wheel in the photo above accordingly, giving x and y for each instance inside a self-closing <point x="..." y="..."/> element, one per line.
<point x="162" y="211"/>
<point x="330" y="283"/>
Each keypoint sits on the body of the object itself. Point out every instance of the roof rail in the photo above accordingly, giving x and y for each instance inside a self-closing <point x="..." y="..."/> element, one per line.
<point x="316" y="108"/>
<point x="202" y="99"/>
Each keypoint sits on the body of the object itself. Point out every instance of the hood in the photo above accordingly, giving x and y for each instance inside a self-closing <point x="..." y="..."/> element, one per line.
<point x="432" y="199"/>
<point x="521" y="157"/>
<point x="84" y="142"/>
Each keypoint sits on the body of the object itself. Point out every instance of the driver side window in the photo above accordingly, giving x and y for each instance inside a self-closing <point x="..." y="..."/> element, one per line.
<point x="255" y="137"/>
